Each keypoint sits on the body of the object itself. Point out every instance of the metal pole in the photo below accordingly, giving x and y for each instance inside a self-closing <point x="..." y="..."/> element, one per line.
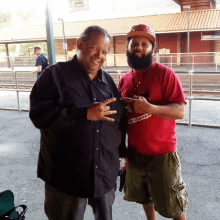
<point x="7" y="54"/>
<point x="193" y="62"/>
<point x="188" y="36"/>
<point x="190" y="97"/>
<point x="64" y="39"/>
<point x="119" y="74"/>
<point x="50" y="38"/>
<point x="16" y="82"/>
<point x="190" y="72"/>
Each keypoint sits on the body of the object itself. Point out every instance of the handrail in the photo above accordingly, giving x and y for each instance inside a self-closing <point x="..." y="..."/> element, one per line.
<point x="119" y="72"/>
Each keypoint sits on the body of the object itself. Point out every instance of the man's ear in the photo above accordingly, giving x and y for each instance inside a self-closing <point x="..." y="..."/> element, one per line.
<point x="79" y="43"/>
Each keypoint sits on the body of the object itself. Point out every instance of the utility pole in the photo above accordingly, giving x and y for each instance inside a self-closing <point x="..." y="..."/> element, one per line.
<point x="50" y="37"/>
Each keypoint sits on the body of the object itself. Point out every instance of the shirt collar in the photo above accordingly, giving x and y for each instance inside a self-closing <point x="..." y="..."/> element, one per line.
<point x="101" y="76"/>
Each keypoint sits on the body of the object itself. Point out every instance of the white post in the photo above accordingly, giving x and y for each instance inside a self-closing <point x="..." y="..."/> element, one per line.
<point x="119" y="74"/>
<point x="16" y="81"/>
<point x="193" y="62"/>
<point x="190" y="96"/>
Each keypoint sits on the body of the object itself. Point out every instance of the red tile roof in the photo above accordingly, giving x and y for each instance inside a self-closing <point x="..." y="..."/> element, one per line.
<point x="200" y="20"/>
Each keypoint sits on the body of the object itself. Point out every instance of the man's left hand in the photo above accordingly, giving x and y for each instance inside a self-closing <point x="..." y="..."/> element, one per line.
<point x="138" y="104"/>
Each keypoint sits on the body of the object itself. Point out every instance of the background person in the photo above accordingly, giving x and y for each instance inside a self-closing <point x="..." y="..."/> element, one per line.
<point x="154" y="98"/>
<point x="77" y="107"/>
<point x="42" y="60"/>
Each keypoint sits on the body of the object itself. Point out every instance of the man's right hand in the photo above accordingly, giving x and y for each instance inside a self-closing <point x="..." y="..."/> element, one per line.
<point x="99" y="110"/>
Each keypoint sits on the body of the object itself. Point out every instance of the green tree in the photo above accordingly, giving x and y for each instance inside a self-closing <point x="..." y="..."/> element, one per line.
<point x="5" y="19"/>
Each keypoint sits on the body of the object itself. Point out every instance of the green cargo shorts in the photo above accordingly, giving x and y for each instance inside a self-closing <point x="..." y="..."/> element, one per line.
<point x="156" y="180"/>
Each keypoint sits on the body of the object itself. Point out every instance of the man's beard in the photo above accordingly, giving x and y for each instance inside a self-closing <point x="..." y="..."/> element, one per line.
<point x="140" y="63"/>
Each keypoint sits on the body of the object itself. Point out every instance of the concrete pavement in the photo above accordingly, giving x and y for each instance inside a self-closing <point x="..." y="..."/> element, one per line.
<point x="199" y="153"/>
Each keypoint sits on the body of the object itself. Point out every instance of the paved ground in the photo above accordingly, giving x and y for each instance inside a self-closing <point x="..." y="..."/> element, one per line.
<point x="198" y="146"/>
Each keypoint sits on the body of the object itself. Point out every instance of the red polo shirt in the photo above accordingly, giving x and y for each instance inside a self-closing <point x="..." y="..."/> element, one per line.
<point x="160" y="86"/>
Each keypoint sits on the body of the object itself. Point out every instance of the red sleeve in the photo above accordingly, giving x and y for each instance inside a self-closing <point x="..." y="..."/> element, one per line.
<point x="172" y="89"/>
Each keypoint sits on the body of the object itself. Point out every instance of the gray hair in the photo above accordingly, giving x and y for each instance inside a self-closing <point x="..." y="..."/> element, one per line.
<point x="85" y="36"/>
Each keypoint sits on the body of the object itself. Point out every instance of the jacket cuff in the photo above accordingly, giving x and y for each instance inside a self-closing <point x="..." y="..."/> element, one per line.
<point x="81" y="112"/>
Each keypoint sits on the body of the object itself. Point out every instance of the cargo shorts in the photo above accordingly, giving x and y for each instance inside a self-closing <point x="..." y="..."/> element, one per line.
<point x="156" y="180"/>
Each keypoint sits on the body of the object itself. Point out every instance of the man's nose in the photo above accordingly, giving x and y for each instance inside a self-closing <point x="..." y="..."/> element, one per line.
<point x="138" y="47"/>
<point x="99" y="53"/>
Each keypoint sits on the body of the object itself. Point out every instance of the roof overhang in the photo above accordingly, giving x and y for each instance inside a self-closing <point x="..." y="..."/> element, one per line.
<point x="22" y="41"/>
<point x="177" y="1"/>
<point x="200" y="20"/>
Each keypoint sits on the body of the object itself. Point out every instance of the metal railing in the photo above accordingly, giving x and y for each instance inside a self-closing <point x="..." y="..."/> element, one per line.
<point x="117" y="74"/>
<point x="13" y="82"/>
<point x="173" y="60"/>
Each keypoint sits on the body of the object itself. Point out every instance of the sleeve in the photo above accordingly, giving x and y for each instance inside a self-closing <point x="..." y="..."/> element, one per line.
<point x="172" y="88"/>
<point x="45" y="112"/>
<point x="39" y="61"/>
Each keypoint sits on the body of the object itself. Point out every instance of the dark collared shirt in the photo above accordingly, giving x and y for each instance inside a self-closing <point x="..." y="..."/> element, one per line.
<point x="77" y="156"/>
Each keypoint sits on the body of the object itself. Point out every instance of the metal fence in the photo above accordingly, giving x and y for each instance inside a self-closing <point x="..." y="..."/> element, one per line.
<point x="197" y="61"/>
<point x="22" y="81"/>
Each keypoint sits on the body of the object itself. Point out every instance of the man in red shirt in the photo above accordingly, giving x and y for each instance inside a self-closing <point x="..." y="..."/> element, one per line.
<point x="154" y="98"/>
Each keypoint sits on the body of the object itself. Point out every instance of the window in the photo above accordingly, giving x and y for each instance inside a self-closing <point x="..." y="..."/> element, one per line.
<point x="78" y="5"/>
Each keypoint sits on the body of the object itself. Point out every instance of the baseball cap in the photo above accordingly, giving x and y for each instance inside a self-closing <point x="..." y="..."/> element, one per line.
<point x="143" y="30"/>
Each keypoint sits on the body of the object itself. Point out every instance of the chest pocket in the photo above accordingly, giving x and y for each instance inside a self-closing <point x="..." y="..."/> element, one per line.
<point x="103" y="91"/>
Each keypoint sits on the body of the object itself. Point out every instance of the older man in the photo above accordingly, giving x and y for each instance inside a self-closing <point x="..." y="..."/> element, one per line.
<point x="154" y="100"/>
<point x="76" y="105"/>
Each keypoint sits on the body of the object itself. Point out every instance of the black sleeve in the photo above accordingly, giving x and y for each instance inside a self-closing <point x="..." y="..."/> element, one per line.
<point x="45" y="112"/>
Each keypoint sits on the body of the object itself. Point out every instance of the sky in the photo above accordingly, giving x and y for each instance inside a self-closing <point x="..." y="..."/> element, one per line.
<point x="98" y="9"/>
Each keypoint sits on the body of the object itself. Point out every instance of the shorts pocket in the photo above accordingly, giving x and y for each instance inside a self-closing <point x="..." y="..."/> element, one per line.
<point x="181" y="195"/>
<point x="176" y="158"/>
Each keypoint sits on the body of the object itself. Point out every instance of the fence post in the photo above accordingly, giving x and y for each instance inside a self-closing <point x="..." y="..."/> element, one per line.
<point x="119" y="74"/>
<point x="190" y="96"/>
<point x="16" y="81"/>
<point x="193" y="61"/>
<point x="157" y="58"/>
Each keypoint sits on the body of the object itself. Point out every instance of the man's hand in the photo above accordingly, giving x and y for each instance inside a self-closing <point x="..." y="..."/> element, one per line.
<point x="98" y="111"/>
<point x="34" y="72"/>
<point x="138" y="104"/>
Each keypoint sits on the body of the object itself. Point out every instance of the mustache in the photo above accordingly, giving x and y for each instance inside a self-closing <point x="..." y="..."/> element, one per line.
<point x="138" y="51"/>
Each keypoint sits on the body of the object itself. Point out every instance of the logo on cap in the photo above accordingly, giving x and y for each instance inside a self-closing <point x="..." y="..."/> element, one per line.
<point x="140" y="27"/>
<point x="143" y="30"/>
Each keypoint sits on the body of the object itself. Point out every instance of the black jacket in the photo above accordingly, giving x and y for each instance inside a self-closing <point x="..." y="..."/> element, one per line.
<point x="77" y="156"/>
